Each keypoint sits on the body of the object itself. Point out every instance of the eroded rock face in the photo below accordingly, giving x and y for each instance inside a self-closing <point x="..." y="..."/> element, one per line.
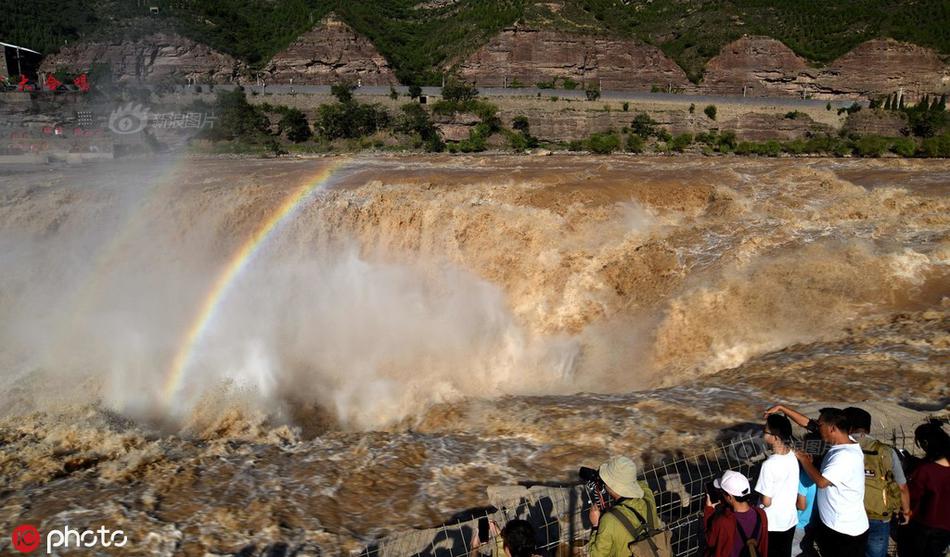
<point x="329" y="53"/>
<point x="889" y="123"/>
<point x="531" y="56"/>
<point x="763" y="127"/>
<point x="755" y="66"/>
<point x="764" y="67"/>
<point x="883" y="66"/>
<point x="154" y="59"/>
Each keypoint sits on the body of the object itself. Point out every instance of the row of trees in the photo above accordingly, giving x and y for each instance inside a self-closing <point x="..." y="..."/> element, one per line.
<point x="348" y="119"/>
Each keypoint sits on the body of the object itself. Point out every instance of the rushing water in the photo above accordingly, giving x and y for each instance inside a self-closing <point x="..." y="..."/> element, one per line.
<point x="416" y="329"/>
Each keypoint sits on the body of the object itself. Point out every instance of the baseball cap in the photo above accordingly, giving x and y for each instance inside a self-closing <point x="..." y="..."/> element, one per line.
<point x="733" y="483"/>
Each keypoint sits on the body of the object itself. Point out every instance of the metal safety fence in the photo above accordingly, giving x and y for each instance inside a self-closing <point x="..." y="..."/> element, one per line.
<point x="559" y="514"/>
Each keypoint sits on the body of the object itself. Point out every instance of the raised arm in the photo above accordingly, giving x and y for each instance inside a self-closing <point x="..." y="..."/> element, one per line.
<point x="792" y="414"/>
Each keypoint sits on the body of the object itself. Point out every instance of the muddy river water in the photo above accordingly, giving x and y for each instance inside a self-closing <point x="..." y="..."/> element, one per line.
<point x="214" y="353"/>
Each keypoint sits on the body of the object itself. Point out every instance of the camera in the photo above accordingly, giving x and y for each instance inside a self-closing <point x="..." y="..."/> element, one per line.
<point x="596" y="488"/>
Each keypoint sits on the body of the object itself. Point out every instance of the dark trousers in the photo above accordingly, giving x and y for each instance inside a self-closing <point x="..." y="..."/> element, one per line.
<point x="780" y="543"/>
<point x="917" y="540"/>
<point x="836" y="544"/>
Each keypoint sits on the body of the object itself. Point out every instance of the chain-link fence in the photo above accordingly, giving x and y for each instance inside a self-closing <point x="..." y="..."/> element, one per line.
<point x="559" y="514"/>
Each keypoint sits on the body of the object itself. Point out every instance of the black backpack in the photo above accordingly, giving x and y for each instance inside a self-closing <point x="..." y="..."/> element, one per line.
<point x="750" y="544"/>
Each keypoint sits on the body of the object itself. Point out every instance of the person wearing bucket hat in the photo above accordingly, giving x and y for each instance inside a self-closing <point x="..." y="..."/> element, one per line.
<point x="733" y="524"/>
<point x="631" y="497"/>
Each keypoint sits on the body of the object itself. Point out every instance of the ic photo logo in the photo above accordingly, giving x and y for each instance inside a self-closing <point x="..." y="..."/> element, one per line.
<point x="27" y="538"/>
<point x="129" y="118"/>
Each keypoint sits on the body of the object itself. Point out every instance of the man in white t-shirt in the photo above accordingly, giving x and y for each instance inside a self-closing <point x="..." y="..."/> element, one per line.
<point x="843" y="525"/>
<point x="778" y="485"/>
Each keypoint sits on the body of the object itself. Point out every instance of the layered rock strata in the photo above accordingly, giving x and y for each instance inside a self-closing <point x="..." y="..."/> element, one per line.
<point x="762" y="66"/>
<point x="531" y="56"/>
<point x="330" y="53"/>
<point x="155" y="59"/>
<point x="883" y="66"/>
<point x="754" y="66"/>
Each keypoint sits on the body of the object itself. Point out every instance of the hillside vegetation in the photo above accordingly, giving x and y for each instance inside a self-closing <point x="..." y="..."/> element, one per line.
<point x="419" y="36"/>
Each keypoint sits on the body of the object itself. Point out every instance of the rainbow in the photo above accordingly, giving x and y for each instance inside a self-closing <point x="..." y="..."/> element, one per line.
<point x="238" y="262"/>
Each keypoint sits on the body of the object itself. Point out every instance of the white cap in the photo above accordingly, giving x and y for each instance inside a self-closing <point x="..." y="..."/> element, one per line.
<point x="733" y="483"/>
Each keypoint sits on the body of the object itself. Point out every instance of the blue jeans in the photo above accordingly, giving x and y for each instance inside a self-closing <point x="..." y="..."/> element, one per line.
<point x="878" y="537"/>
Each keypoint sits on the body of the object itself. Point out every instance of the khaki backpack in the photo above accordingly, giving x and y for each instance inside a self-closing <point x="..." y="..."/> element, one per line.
<point x="882" y="495"/>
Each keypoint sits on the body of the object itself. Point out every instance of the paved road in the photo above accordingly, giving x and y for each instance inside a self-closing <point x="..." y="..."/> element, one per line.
<point x="699" y="100"/>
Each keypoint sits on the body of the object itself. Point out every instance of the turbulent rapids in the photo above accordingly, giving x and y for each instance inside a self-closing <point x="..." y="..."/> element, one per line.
<point x="216" y="353"/>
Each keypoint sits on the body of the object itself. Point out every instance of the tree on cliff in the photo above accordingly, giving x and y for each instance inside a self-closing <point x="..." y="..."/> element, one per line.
<point x="458" y="91"/>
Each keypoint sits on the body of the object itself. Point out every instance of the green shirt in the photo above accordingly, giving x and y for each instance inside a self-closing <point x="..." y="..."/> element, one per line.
<point x="611" y="537"/>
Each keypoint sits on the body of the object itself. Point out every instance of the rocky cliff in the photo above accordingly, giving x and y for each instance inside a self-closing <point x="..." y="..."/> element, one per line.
<point x="754" y="66"/>
<point x="762" y="66"/>
<point x="329" y="53"/>
<point x="156" y="58"/>
<point x="530" y="56"/>
<point x="883" y="66"/>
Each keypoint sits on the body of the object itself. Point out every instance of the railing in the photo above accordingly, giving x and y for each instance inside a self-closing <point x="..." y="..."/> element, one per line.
<point x="559" y="513"/>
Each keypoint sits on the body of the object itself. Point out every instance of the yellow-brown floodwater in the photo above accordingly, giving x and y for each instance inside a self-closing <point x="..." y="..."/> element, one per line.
<point x="416" y="329"/>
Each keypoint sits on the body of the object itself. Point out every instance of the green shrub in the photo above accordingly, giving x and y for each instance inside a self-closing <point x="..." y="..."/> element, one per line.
<point x="603" y="143"/>
<point x="794" y="115"/>
<point x="342" y="91"/>
<point x="842" y="149"/>
<point x="643" y="125"/>
<point x="569" y="84"/>
<point x="871" y="146"/>
<point x="458" y="91"/>
<point x="795" y="147"/>
<point x="237" y="119"/>
<point x="520" y="123"/>
<point x="707" y="138"/>
<point x="626" y="106"/>
<point x="575" y="145"/>
<point x="592" y="94"/>
<point x="350" y="120"/>
<point x="903" y="146"/>
<point x="924" y="122"/>
<point x="516" y="141"/>
<point x="771" y="148"/>
<point x="635" y="143"/>
<point x="415" y="121"/>
<point x="415" y="91"/>
<point x="681" y="142"/>
<point x="938" y="146"/>
<point x="710" y="111"/>
<point x="294" y="124"/>
<point x="727" y="141"/>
